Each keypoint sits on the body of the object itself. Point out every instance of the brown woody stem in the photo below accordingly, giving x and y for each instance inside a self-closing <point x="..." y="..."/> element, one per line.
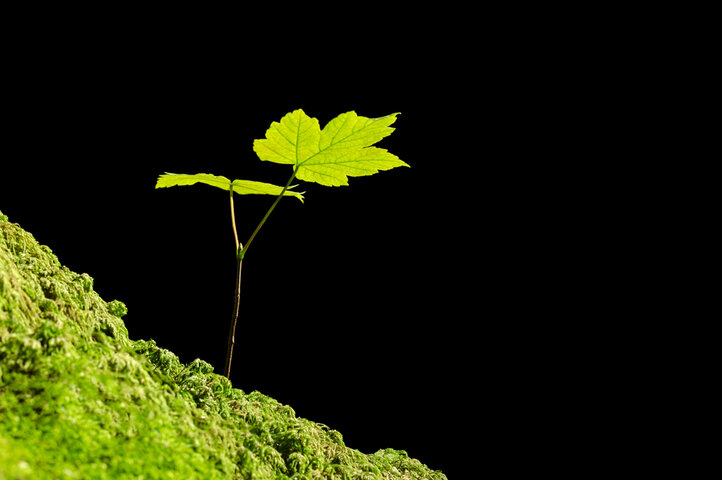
<point x="234" y="321"/>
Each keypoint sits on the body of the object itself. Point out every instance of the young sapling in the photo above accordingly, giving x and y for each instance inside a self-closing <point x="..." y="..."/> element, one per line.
<point x="328" y="156"/>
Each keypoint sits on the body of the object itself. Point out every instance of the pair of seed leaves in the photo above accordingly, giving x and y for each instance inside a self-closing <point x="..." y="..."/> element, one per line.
<point x="328" y="157"/>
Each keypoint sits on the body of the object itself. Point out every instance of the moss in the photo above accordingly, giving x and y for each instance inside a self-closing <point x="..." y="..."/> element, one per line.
<point x="80" y="400"/>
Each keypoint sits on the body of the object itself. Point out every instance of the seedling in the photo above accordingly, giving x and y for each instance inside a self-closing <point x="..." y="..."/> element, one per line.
<point x="327" y="157"/>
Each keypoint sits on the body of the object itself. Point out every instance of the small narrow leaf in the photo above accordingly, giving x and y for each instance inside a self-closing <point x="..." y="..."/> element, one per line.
<point x="329" y="156"/>
<point x="242" y="187"/>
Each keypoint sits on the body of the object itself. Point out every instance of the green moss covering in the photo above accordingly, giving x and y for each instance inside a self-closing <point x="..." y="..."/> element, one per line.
<point x="80" y="400"/>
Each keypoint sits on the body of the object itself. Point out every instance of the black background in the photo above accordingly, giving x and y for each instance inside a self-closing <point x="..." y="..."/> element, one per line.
<point x="360" y="308"/>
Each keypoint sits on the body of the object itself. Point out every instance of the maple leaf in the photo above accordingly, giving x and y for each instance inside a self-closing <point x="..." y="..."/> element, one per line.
<point x="329" y="156"/>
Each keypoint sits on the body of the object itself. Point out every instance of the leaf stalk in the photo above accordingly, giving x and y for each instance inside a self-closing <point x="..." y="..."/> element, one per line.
<point x="233" y="222"/>
<point x="242" y="251"/>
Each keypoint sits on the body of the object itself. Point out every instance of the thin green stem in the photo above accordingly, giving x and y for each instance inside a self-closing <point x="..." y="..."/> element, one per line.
<point x="242" y="252"/>
<point x="233" y="222"/>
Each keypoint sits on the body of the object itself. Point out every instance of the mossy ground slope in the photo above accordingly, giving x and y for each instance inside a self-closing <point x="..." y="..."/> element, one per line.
<point x="80" y="400"/>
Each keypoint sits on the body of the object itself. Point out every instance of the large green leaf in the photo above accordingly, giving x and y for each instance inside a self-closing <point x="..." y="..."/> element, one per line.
<point x="329" y="156"/>
<point x="242" y="187"/>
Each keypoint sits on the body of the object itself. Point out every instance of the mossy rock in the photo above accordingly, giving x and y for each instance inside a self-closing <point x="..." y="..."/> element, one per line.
<point x="80" y="400"/>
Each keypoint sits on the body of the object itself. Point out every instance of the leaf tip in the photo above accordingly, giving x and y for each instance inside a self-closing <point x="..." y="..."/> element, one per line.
<point x="161" y="181"/>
